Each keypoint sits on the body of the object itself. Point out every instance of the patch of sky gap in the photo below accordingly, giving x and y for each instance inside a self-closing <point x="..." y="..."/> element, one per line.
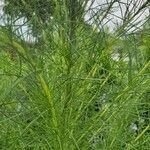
<point x="97" y="8"/>
<point x="20" y="26"/>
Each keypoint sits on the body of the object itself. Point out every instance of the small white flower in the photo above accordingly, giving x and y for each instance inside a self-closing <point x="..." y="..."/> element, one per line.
<point x="134" y="127"/>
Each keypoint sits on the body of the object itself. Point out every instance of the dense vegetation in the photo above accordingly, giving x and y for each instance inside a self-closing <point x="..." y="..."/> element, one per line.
<point x="76" y="86"/>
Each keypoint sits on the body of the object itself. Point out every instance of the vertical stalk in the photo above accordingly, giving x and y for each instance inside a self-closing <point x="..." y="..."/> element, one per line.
<point x="71" y="6"/>
<point x="48" y="94"/>
<point x="69" y="42"/>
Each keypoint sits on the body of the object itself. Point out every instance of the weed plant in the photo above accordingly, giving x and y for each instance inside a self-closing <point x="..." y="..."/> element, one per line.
<point x="67" y="92"/>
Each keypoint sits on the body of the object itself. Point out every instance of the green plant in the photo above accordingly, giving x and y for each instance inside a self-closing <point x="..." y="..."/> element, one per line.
<point x="69" y="93"/>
